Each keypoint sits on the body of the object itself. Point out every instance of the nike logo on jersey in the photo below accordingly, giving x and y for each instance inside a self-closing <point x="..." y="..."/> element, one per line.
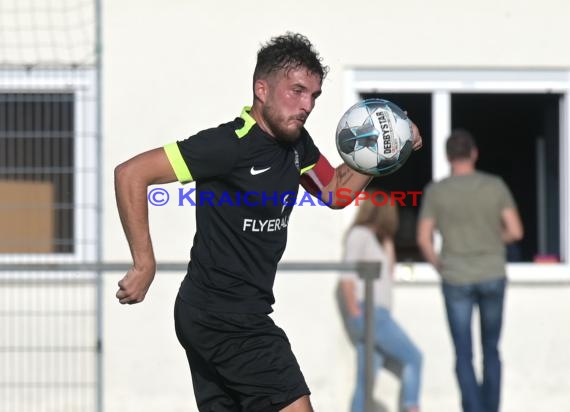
<point x="255" y="171"/>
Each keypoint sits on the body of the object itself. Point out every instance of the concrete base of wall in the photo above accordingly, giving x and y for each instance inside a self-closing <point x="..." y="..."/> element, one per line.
<point x="146" y="369"/>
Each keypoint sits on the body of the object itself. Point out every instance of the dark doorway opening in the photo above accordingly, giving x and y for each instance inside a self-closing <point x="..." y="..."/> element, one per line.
<point x="414" y="175"/>
<point x="518" y="139"/>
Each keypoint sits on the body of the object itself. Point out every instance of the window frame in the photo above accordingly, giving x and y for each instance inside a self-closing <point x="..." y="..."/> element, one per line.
<point x="441" y="84"/>
<point x="81" y="82"/>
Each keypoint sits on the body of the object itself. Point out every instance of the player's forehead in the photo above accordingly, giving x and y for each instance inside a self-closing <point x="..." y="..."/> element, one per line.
<point x="301" y="76"/>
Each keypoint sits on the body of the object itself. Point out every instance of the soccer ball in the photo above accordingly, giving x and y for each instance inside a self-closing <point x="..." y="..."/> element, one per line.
<point x="374" y="137"/>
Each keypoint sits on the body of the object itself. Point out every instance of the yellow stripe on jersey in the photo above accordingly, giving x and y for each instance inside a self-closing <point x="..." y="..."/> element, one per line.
<point x="306" y="169"/>
<point x="177" y="162"/>
<point x="249" y="122"/>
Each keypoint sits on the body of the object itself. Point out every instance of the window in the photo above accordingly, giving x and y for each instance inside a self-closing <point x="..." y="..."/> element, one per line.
<point x="521" y="120"/>
<point x="48" y="174"/>
<point x="36" y="172"/>
<point x="518" y="139"/>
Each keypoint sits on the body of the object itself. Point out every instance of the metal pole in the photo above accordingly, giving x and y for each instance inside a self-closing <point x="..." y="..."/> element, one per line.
<point x="99" y="253"/>
<point x="369" y="271"/>
<point x="176" y="266"/>
<point x="541" y="191"/>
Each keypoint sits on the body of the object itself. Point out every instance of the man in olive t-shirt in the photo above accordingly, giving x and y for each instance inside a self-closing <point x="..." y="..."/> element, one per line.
<point x="476" y="216"/>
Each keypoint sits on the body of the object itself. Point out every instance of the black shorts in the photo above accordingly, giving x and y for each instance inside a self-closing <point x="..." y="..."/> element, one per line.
<point x="239" y="362"/>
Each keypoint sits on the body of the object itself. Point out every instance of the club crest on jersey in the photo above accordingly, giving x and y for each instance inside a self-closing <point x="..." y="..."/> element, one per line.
<point x="297" y="163"/>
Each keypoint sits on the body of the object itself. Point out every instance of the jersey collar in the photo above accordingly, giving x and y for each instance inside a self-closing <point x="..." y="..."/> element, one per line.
<point x="248" y="122"/>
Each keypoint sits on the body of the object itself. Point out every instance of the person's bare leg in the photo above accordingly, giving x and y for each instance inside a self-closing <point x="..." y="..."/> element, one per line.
<point x="303" y="404"/>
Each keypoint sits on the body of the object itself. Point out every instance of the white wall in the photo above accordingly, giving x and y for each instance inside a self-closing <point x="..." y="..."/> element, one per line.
<point x="145" y="368"/>
<point x="174" y="67"/>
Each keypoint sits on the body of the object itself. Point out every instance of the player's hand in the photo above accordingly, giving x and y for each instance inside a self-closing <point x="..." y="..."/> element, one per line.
<point x="134" y="285"/>
<point x="417" y="142"/>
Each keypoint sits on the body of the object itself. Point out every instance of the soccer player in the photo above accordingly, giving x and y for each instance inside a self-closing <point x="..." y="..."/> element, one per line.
<point x="239" y="359"/>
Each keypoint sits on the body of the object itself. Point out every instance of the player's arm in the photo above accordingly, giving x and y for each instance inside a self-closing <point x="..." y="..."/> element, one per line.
<point x="323" y="182"/>
<point x="131" y="181"/>
<point x="512" y="230"/>
<point x="341" y="184"/>
<point x="347" y="183"/>
<point x="425" y="231"/>
<point x="345" y="186"/>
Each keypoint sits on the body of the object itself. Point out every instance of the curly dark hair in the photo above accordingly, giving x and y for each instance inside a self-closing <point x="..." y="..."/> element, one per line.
<point x="286" y="52"/>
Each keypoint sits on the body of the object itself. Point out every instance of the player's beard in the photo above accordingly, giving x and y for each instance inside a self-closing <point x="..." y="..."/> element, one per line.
<point x="278" y="125"/>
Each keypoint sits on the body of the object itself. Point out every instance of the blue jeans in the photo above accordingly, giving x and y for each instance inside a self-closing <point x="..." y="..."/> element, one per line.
<point x="459" y="302"/>
<point x="392" y="344"/>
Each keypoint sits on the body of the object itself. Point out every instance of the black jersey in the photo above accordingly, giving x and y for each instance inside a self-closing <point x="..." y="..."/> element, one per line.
<point x="246" y="184"/>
